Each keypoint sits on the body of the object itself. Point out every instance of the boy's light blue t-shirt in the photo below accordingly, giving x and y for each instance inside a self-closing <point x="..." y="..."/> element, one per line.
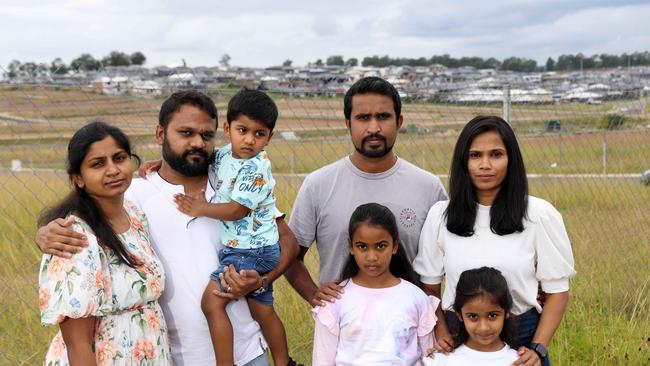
<point x="248" y="182"/>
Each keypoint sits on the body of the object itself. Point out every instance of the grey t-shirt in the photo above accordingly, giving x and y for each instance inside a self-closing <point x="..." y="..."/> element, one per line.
<point x="329" y="195"/>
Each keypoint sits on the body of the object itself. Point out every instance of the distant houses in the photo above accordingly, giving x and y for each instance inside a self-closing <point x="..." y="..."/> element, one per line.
<point x="434" y="82"/>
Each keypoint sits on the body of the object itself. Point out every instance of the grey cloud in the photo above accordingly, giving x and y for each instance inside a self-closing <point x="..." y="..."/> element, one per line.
<point x="324" y="26"/>
<point x="421" y="18"/>
<point x="257" y="33"/>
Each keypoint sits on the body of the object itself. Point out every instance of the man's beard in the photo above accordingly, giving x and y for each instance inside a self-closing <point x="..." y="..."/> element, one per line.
<point x="185" y="166"/>
<point x="374" y="153"/>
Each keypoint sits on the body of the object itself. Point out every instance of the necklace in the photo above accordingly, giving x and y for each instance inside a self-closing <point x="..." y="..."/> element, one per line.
<point x="122" y="223"/>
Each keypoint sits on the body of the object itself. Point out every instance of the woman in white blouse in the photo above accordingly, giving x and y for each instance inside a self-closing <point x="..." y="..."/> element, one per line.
<point x="490" y="220"/>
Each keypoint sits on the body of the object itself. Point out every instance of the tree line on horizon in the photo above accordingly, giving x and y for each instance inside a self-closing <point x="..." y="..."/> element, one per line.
<point x="566" y="62"/>
<point x="84" y="62"/>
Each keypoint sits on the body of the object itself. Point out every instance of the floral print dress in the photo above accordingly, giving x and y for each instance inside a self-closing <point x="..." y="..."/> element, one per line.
<point x="129" y="327"/>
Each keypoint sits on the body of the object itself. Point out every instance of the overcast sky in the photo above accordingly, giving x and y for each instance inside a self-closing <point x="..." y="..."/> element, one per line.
<point x="265" y="33"/>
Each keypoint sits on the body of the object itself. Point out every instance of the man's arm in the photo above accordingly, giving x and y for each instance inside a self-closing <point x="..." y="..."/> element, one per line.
<point x="304" y="223"/>
<point x="300" y="279"/>
<point x="289" y="252"/>
<point x="57" y="238"/>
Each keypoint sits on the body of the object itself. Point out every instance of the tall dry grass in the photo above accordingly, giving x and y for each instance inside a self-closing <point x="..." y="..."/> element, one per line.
<point x="606" y="322"/>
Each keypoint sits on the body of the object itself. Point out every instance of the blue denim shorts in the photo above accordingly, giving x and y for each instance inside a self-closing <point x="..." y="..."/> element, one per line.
<point x="261" y="360"/>
<point x="262" y="260"/>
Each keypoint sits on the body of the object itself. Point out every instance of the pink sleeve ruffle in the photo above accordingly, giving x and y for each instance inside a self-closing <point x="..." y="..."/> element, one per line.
<point x="326" y="315"/>
<point x="428" y="318"/>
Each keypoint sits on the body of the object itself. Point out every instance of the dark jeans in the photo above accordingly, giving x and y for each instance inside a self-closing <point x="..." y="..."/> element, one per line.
<point x="526" y="324"/>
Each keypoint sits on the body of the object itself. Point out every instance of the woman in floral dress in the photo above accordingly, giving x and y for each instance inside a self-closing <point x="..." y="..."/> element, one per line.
<point x="104" y="298"/>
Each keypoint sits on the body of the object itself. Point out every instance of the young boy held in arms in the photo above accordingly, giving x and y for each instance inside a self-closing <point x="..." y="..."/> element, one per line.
<point x="245" y="205"/>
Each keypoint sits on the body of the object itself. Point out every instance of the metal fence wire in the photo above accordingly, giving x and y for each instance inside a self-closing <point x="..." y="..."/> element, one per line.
<point x="585" y="154"/>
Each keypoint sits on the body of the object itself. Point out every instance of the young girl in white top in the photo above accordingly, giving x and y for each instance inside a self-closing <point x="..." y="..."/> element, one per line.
<point x="486" y="334"/>
<point x="490" y="220"/>
<point x="382" y="318"/>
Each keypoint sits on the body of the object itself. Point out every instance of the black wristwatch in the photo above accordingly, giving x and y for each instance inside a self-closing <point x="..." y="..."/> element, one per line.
<point x="264" y="287"/>
<point x="540" y="349"/>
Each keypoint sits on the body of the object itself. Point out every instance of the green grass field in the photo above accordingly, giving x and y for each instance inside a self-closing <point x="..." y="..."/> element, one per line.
<point x="608" y="220"/>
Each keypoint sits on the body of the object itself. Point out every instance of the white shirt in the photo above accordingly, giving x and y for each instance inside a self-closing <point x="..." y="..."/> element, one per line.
<point x="464" y="356"/>
<point x="541" y="253"/>
<point x="189" y="256"/>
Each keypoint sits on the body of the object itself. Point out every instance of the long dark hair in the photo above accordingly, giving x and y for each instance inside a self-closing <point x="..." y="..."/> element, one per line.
<point x="509" y="208"/>
<point x="378" y="215"/>
<point x="485" y="281"/>
<point x="78" y="202"/>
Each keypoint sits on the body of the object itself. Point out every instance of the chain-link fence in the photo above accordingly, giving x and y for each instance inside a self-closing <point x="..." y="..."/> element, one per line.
<point x="586" y="148"/>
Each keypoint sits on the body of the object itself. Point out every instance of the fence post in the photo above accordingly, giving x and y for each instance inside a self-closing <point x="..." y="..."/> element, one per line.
<point x="506" y="103"/>
<point x="559" y="147"/>
<point x="605" y="151"/>
<point x="642" y="100"/>
<point x="444" y="149"/>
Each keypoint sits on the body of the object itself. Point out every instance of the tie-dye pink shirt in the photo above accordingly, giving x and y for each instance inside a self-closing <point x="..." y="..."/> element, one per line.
<point x="375" y="326"/>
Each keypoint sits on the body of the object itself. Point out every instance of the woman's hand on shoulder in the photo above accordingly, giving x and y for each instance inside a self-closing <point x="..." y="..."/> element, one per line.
<point x="329" y="292"/>
<point x="527" y="357"/>
<point x="148" y="167"/>
<point x="444" y="341"/>
<point x="58" y="238"/>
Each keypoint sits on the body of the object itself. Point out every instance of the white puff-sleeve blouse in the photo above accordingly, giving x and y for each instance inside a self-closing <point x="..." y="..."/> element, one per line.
<point x="539" y="254"/>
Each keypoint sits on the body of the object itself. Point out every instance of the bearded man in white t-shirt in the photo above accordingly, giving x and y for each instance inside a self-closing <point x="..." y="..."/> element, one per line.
<point x="188" y="247"/>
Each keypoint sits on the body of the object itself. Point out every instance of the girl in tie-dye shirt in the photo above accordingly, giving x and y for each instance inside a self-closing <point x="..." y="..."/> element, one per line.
<point x="382" y="318"/>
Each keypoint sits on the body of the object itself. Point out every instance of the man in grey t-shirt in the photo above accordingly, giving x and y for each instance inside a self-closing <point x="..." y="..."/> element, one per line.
<point x="372" y="173"/>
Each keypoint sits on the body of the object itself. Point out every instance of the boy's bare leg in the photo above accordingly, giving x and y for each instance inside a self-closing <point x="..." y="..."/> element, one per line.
<point x="214" y="309"/>
<point x="272" y="329"/>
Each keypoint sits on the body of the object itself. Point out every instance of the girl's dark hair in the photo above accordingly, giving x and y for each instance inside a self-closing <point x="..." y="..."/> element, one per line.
<point x="378" y="215"/>
<point x="485" y="281"/>
<point x="78" y="202"/>
<point x="509" y="208"/>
